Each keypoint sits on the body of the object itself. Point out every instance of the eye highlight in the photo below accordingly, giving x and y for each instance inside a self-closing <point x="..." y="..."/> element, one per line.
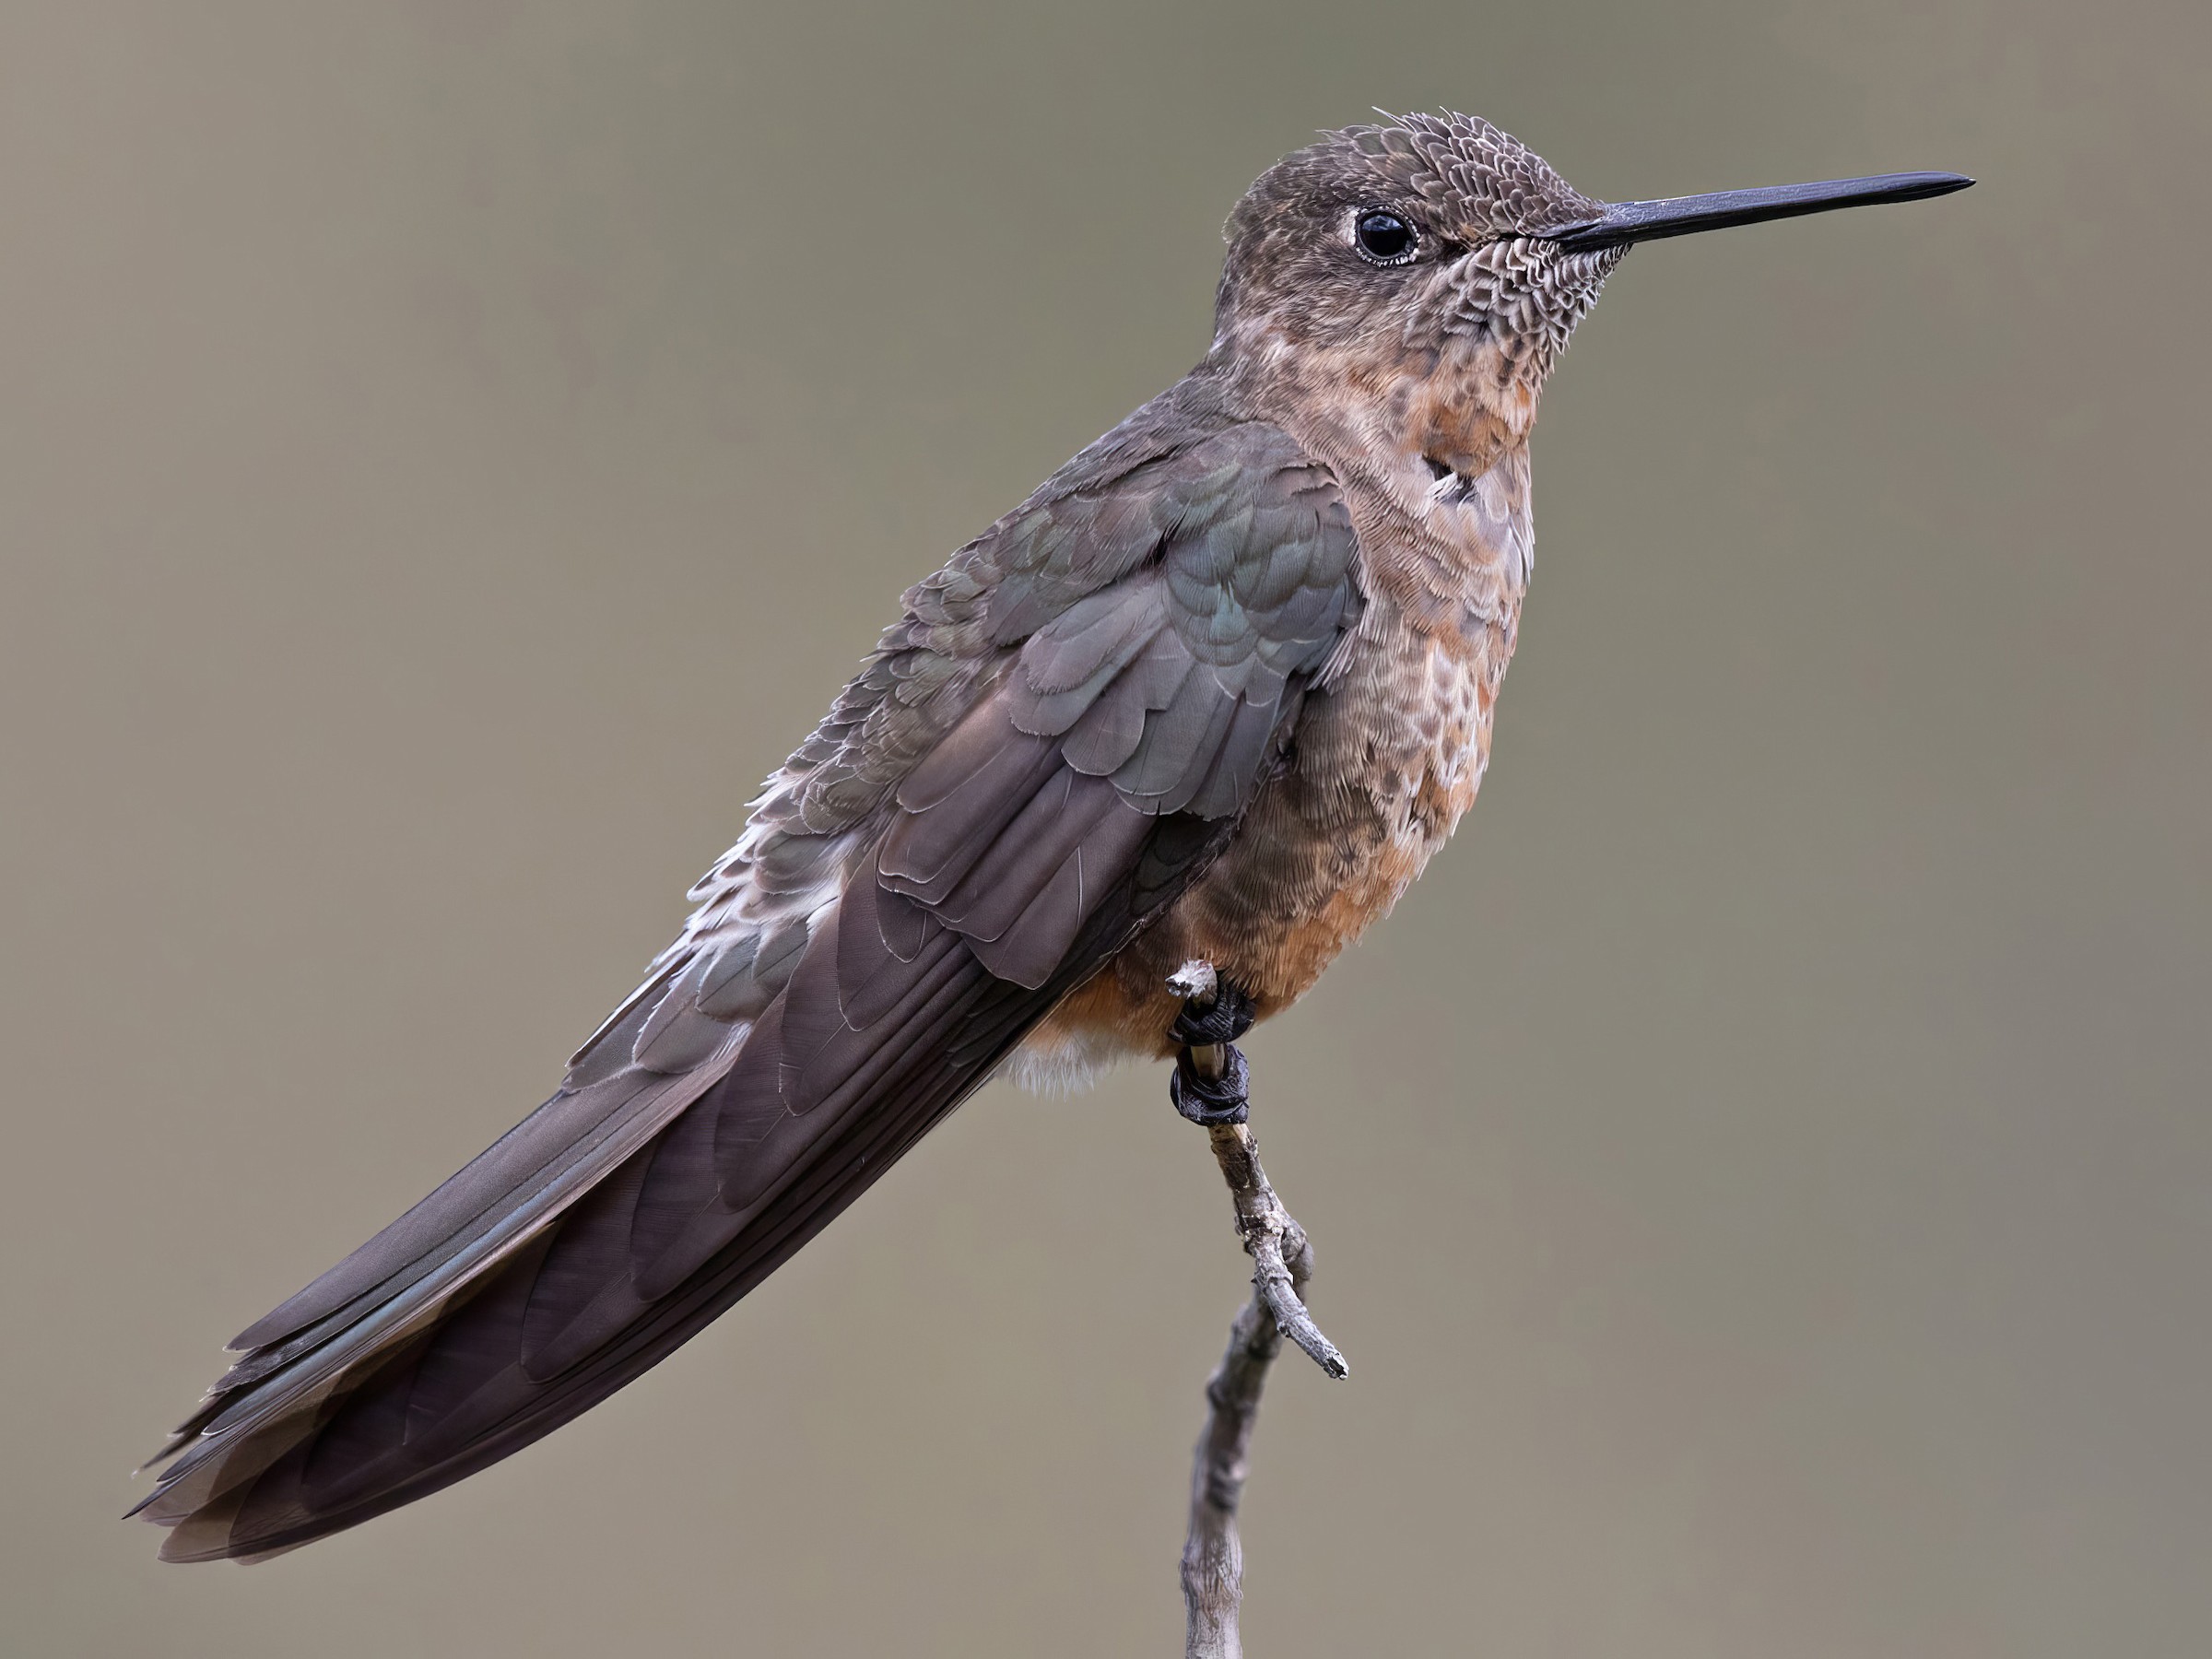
<point x="1384" y="238"/>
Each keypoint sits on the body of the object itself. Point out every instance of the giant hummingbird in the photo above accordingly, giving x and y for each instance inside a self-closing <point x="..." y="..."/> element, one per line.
<point x="1218" y="689"/>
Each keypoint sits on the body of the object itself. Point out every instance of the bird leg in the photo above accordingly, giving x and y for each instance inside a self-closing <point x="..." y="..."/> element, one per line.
<point x="1209" y="1087"/>
<point x="1211" y="1075"/>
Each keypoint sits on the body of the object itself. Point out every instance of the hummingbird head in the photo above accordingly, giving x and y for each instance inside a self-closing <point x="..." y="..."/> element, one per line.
<point x="1420" y="239"/>
<point x="1434" y="256"/>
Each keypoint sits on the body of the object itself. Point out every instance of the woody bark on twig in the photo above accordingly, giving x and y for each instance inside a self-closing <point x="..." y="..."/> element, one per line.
<point x="1209" y="1087"/>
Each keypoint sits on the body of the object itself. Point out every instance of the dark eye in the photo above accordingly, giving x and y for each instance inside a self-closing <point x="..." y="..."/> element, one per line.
<point x="1383" y="237"/>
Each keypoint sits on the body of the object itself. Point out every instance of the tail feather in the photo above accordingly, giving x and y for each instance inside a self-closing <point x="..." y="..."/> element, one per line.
<point x="600" y="1266"/>
<point x="461" y="1393"/>
<point x="535" y="1172"/>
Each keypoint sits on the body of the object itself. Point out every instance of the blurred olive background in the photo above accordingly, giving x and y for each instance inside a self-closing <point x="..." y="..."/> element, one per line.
<point x="451" y="451"/>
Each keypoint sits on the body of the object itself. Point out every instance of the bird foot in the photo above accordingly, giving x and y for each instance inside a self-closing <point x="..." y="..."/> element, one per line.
<point x="1217" y="1100"/>
<point x="1211" y="1076"/>
<point x="1223" y="1018"/>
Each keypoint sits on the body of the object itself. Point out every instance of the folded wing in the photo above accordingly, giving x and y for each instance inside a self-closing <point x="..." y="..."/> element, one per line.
<point x="1063" y="730"/>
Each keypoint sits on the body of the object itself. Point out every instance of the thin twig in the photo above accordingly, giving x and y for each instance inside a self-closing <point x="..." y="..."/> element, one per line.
<point x="1213" y="1554"/>
<point x="1282" y="1260"/>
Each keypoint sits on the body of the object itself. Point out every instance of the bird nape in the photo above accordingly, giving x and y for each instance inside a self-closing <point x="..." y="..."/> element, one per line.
<point x="1218" y="689"/>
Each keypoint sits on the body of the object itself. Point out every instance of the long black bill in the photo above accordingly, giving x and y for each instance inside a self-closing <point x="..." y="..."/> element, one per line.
<point x="1625" y="222"/>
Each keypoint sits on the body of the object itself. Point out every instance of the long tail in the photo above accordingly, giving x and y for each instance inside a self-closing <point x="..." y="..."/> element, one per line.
<point x="596" y="1237"/>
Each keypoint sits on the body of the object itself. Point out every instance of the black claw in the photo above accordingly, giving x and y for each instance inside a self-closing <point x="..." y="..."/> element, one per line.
<point x="1225" y="1019"/>
<point x="1212" y="1100"/>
